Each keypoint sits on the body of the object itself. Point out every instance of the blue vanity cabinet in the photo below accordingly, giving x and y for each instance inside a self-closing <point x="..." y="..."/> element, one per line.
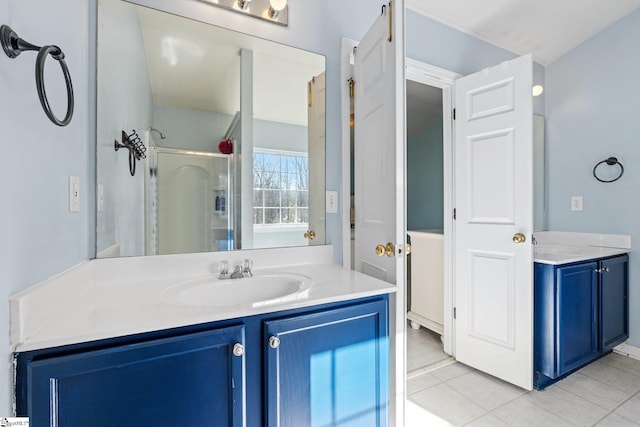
<point x="193" y="379"/>
<point x="581" y="312"/>
<point x="614" y="306"/>
<point x="312" y="366"/>
<point x="328" y="368"/>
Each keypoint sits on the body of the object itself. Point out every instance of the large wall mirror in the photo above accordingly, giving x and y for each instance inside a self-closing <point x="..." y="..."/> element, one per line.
<point x="233" y="128"/>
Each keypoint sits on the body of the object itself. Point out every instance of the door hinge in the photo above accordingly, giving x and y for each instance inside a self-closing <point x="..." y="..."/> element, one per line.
<point x="453" y="114"/>
<point x="454" y="213"/>
<point x="352" y="87"/>
<point x="454" y="313"/>
<point x="309" y="95"/>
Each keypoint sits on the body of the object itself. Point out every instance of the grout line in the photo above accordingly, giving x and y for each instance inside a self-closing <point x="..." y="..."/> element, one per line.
<point x="430" y="368"/>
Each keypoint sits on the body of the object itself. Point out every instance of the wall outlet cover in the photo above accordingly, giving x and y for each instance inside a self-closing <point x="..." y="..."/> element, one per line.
<point x="332" y="202"/>
<point x="577" y="203"/>
<point x="74" y="193"/>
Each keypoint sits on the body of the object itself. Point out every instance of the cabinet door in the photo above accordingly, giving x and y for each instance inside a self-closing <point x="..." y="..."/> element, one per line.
<point x="189" y="380"/>
<point x="328" y="368"/>
<point x="614" y="308"/>
<point x="577" y="311"/>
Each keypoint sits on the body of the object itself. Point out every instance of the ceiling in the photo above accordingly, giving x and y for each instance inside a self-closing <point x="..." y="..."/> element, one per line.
<point x="546" y="28"/>
<point x="195" y="65"/>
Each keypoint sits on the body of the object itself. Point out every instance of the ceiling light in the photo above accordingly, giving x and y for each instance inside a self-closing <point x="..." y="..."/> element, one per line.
<point x="537" y="90"/>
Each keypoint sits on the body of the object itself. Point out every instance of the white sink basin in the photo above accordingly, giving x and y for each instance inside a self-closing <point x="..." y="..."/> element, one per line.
<point x="257" y="291"/>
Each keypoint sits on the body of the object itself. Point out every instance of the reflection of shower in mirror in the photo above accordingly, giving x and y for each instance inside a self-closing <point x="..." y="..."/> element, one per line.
<point x="162" y="135"/>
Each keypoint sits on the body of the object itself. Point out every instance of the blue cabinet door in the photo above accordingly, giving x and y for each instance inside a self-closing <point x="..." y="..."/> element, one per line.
<point x="189" y="380"/>
<point x="577" y="315"/>
<point x="614" y="306"/>
<point x="328" y="368"/>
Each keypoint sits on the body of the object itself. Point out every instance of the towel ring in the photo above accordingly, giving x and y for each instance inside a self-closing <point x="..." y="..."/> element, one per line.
<point x="14" y="46"/>
<point x="611" y="161"/>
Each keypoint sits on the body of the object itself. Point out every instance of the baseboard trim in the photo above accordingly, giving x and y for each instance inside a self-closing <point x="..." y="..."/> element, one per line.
<point x="628" y="350"/>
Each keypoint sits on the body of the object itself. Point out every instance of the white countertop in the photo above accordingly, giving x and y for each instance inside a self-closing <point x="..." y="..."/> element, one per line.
<point x="556" y="247"/>
<point x="557" y="255"/>
<point x="110" y="298"/>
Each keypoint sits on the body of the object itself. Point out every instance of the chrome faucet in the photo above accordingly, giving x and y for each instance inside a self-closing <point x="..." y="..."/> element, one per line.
<point x="239" y="271"/>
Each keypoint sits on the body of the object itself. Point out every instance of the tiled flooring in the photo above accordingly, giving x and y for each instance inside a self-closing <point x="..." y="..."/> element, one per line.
<point x="604" y="393"/>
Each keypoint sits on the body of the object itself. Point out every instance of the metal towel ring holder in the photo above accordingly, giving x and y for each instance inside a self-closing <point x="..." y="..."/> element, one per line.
<point x="14" y="46"/>
<point x="611" y="161"/>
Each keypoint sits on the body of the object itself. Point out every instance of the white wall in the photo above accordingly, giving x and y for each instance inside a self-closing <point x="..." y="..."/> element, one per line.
<point x="39" y="236"/>
<point x="124" y="96"/>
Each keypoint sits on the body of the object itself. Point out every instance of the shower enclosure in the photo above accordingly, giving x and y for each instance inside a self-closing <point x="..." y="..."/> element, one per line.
<point x="189" y="202"/>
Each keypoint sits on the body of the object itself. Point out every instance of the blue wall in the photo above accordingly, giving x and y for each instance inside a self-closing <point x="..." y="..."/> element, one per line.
<point x="425" y="179"/>
<point x="593" y="104"/>
<point x="39" y="236"/>
<point x="436" y="44"/>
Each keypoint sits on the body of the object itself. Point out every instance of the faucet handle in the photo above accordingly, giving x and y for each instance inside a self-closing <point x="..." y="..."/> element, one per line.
<point x="247" y="266"/>
<point x="223" y="268"/>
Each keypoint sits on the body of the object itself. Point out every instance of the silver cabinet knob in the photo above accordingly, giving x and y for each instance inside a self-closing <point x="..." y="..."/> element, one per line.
<point x="274" y="342"/>
<point x="238" y="349"/>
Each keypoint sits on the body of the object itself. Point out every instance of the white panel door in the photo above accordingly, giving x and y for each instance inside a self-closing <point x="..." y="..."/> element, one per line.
<point x="316" y="151"/>
<point x="375" y="165"/>
<point x="494" y="202"/>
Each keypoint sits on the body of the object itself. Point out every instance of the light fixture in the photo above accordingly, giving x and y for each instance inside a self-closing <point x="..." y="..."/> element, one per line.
<point x="275" y="7"/>
<point x="275" y="11"/>
<point x="537" y="90"/>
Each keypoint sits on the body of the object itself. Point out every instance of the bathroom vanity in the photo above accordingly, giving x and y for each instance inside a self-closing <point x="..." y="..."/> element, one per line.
<point x="581" y="307"/>
<point x="316" y="356"/>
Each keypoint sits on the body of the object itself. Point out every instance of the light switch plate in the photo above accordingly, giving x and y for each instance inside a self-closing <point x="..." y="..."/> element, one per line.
<point x="74" y="193"/>
<point x="332" y="202"/>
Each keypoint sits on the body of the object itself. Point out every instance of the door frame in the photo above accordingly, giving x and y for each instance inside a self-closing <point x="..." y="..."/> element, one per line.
<point x="427" y="74"/>
<point x="424" y="73"/>
<point x="433" y="76"/>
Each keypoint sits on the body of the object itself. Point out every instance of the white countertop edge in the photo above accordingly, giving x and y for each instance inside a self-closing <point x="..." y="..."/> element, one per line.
<point x="571" y="247"/>
<point x="595" y="253"/>
<point x="38" y="344"/>
<point x="80" y="305"/>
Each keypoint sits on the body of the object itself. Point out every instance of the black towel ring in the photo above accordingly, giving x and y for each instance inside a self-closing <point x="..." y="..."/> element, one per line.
<point x="610" y="161"/>
<point x="14" y="46"/>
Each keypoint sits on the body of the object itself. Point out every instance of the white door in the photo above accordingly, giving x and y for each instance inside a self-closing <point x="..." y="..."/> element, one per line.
<point x="494" y="196"/>
<point x="378" y="172"/>
<point x="316" y="152"/>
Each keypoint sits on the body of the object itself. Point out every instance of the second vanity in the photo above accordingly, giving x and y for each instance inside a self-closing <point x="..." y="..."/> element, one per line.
<point x="581" y="285"/>
<point x="313" y="346"/>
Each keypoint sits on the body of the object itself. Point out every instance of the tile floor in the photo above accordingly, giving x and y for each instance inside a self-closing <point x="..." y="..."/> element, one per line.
<point x="442" y="392"/>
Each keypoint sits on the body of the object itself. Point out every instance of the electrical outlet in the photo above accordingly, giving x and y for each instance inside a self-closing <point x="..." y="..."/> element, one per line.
<point x="577" y="203"/>
<point x="332" y="202"/>
<point x="74" y="194"/>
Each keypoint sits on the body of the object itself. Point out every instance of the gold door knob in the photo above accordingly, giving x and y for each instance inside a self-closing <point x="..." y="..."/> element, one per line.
<point x="519" y="238"/>
<point x="310" y="235"/>
<point x="387" y="250"/>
